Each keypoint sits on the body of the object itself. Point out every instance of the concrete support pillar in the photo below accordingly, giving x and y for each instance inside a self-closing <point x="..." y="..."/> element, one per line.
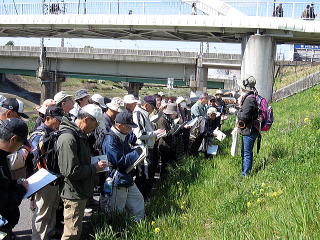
<point x="201" y="76"/>
<point x="50" y="86"/>
<point x="133" y="88"/>
<point x="258" y="61"/>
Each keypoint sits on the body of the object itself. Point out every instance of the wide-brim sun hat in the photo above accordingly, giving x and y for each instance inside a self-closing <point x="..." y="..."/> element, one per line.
<point x="171" y="109"/>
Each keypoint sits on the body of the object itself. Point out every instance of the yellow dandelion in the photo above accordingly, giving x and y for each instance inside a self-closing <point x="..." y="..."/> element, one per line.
<point x="261" y="190"/>
<point x="274" y="194"/>
<point x="153" y="223"/>
<point x="249" y="204"/>
<point x="259" y="200"/>
<point x="263" y="184"/>
<point x="182" y="207"/>
<point x="306" y="120"/>
<point x="254" y="193"/>
<point x="157" y="230"/>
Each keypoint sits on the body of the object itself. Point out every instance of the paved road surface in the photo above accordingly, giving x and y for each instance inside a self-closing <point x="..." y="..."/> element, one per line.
<point x="23" y="228"/>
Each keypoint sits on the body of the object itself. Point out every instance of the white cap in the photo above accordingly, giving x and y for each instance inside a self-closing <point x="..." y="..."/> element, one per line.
<point x="161" y="94"/>
<point x="98" y="99"/>
<point x="128" y="99"/>
<point x="60" y="96"/>
<point x="180" y="100"/>
<point x="219" y="92"/>
<point x="116" y="104"/>
<point x="96" y="112"/>
<point x="48" y="102"/>
<point x="213" y="110"/>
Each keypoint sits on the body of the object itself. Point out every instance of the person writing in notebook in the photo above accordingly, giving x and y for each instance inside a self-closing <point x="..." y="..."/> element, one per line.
<point x="120" y="154"/>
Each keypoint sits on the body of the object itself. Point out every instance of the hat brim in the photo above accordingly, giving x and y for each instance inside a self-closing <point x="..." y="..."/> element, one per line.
<point x="169" y="112"/>
<point x="23" y="115"/>
<point x="132" y="125"/>
<point x="114" y="108"/>
<point x="59" y="118"/>
<point x="81" y="96"/>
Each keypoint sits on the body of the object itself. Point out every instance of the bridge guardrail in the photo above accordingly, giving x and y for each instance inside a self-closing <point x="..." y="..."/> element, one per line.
<point x="99" y="7"/>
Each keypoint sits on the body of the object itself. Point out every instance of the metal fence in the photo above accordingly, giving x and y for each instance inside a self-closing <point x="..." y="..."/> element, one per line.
<point x="267" y="8"/>
<point x="296" y="87"/>
<point x="100" y="7"/>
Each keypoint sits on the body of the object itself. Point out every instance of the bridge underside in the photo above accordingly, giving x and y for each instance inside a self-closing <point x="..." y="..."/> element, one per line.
<point x="159" y="27"/>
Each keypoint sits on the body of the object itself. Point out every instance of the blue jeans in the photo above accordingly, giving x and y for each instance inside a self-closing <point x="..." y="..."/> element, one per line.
<point x="247" y="152"/>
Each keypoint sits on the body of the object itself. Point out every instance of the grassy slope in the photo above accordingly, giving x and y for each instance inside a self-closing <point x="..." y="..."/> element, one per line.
<point x="207" y="199"/>
<point x="291" y="74"/>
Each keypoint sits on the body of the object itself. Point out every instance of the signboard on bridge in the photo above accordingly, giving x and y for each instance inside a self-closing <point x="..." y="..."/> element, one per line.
<point x="306" y="53"/>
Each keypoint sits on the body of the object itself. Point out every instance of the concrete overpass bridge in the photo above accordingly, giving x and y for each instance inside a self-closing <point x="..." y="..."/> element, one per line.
<point x="127" y="65"/>
<point x="258" y="34"/>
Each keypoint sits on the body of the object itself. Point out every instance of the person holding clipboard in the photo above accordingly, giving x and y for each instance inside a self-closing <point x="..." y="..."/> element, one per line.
<point x="125" y="193"/>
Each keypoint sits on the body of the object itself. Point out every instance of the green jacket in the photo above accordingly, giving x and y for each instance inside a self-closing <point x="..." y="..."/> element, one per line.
<point x="75" y="163"/>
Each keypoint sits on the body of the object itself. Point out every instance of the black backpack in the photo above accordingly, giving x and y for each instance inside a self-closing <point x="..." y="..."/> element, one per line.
<point x="195" y="130"/>
<point x="48" y="155"/>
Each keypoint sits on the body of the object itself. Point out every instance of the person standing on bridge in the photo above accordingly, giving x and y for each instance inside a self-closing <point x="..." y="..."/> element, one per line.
<point x="278" y="11"/>
<point x="194" y="9"/>
<point x="247" y="115"/>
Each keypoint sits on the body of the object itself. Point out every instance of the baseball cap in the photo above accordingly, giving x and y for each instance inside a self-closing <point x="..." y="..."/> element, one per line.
<point x="99" y="99"/>
<point x="48" y="102"/>
<point x="213" y="110"/>
<point x="14" y="105"/>
<point x="116" y="104"/>
<point x="96" y="112"/>
<point x="125" y="118"/>
<point x="55" y="112"/>
<point x="128" y="99"/>
<point x="60" y="96"/>
<point x="151" y="100"/>
<point x="80" y="94"/>
<point x="160" y="94"/>
<point x="17" y="127"/>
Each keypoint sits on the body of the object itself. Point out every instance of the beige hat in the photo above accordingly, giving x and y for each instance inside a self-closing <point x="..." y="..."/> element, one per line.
<point x="128" y="99"/>
<point x="219" y="92"/>
<point x="213" y="110"/>
<point x="171" y="109"/>
<point x="96" y="112"/>
<point x="60" y="96"/>
<point x="48" y="102"/>
<point x="99" y="99"/>
<point x="116" y="104"/>
<point x="180" y="100"/>
<point x="248" y="83"/>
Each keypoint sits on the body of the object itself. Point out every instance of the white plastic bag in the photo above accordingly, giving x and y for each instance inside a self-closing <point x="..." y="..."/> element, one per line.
<point x="235" y="142"/>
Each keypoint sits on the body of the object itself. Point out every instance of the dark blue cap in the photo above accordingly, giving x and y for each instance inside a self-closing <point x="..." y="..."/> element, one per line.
<point x="55" y="112"/>
<point x="17" y="127"/>
<point x="125" y="118"/>
<point x="151" y="100"/>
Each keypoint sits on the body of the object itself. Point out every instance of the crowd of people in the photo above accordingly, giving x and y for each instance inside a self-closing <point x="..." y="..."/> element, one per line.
<point x="136" y="139"/>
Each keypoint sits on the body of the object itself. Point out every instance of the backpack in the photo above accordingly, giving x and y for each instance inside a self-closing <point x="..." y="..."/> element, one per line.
<point x="48" y="155"/>
<point x="265" y="115"/>
<point x="195" y="129"/>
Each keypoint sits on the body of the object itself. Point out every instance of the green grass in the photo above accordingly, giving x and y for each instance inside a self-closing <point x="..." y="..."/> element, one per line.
<point x="291" y="74"/>
<point x="207" y="199"/>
